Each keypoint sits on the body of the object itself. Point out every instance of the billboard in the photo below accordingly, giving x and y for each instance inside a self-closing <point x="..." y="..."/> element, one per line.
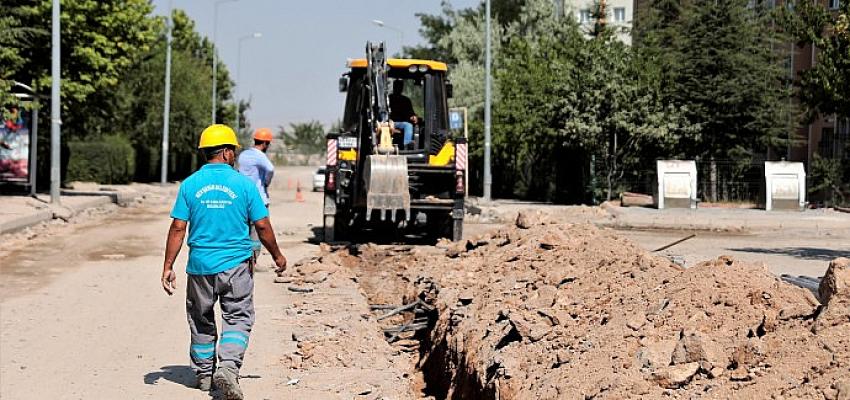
<point x="15" y="146"/>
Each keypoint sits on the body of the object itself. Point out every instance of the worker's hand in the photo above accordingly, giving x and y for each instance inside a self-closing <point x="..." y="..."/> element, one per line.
<point x="281" y="264"/>
<point x="169" y="281"/>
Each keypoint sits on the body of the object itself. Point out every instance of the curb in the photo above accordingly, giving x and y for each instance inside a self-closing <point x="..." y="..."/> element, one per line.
<point x="705" y="228"/>
<point x="39" y="216"/>
<point x="121" y="198"/>
<point x="93" y="203"/>
<point x="25" y="221"/>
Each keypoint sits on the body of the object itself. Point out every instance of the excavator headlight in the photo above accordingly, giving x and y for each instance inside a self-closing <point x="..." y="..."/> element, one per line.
<point x="411" y="68"/>
<point x="423" y="68"/>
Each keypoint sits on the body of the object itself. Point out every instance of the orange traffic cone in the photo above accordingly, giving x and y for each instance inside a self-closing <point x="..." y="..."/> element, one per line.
<point x="299" y="197"/>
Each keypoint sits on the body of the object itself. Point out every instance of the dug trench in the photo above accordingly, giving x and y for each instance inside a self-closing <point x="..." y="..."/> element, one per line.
<point x="563" y="311"/>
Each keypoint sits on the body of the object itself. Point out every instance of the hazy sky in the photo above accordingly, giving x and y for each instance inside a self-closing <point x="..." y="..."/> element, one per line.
<point x="291" y="73"/>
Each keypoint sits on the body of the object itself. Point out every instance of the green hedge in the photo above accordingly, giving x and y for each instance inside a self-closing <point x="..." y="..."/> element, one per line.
<point x="109" y="159"/>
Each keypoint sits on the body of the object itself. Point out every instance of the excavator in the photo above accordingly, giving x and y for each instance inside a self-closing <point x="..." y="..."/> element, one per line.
<point x="394" y="165"/>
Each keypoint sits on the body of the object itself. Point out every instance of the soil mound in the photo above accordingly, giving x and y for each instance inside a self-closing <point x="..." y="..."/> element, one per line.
<point x="559" y="311"/>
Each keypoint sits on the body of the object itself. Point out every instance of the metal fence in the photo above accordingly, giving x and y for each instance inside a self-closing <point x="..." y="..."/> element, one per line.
<point x="731" y="181"/>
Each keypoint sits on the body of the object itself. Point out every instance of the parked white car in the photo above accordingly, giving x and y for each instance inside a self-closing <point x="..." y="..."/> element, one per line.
<point x="319" y="180"/>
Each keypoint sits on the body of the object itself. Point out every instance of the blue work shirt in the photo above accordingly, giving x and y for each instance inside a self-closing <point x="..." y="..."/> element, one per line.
<point x="218" y="202"/>
<point x="254" y="164"/>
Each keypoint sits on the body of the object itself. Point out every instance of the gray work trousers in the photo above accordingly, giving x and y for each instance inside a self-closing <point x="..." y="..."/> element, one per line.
<point x="234" y="291"/>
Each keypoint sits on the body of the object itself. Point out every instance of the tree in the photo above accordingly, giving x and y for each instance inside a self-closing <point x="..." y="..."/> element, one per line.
<point x="720" y="61"/>
<point x="566" y="100"/>
<point x="137" y="113"/>
<point x="824" y="88"/>
<point x="304" y="137"/>
<point x="187" y="38"/>
<point x="828" y="179"/>
<point x="101" y="41"/>
<point x="14" y="35"/>
<point x="440" y="30"/>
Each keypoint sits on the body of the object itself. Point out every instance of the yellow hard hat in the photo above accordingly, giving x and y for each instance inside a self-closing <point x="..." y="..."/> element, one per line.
<point x="218" y="135"/>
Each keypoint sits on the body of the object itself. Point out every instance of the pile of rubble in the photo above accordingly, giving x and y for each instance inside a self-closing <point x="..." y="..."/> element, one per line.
<point x="550" y="311"/>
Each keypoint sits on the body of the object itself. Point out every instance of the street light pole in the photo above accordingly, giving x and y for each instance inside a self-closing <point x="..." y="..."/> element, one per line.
<point x="55" y="115"/>
<point x="215" y="55"/>
<point x="163" y="176"/>
<point x="254" y="35"/>
<point x="488" y="179"/>
<point x="392" y="28"/>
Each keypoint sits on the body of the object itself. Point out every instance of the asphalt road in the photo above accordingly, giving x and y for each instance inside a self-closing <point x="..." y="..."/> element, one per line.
<point x="85" y="316"/>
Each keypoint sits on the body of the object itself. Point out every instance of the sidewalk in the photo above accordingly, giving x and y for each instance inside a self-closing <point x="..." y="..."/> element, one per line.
<point x="21" y="212"/>
<point x="726" y="220"/>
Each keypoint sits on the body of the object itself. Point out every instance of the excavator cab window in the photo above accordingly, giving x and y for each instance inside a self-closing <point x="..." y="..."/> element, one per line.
<point x="413" y="90"/>
<point x="427" y="92"/>
<point x="353" y="99"/>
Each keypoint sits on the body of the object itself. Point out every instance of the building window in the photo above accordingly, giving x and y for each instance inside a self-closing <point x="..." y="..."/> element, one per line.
<point x="834" y="4"/>
<point x="584" y="16"/>
<point x="619" y="14"/>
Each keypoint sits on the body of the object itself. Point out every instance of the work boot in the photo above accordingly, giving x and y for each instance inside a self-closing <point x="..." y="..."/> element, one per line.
<point x="227" y="381"/>
<point x="204" y="383"/>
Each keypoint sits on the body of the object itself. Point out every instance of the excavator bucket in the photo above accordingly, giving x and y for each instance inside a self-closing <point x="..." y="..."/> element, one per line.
<point x="386" y="186"/>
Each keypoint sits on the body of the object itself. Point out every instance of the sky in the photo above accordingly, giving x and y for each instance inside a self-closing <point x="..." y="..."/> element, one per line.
<point x="291" y="73"/>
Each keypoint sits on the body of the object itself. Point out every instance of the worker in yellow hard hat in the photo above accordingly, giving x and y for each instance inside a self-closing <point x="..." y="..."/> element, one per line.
<point x="216" y="203"/>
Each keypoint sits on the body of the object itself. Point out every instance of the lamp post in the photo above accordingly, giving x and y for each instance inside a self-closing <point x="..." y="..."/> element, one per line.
<point x="215" y="54"/>
<point x="163" y="174"/>
<point x="255" y="35"/>
<point x="488" y="179"/>
<point x="55" y="121"/>
<point x="381" y="24"/>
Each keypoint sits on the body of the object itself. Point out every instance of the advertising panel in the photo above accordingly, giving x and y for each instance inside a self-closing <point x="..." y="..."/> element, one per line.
<point x="15" y="146"/>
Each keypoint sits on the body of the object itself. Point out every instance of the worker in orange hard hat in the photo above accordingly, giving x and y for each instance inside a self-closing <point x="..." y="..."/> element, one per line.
<point x="254" y="164"/>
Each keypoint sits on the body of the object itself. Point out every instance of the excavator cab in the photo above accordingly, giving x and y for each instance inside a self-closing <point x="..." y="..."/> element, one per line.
<point x="424" y="84"/>
<point x="394" y="159"/>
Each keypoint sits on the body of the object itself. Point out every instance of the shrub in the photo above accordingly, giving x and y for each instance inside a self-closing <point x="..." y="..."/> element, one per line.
<point x="110" y="159"/>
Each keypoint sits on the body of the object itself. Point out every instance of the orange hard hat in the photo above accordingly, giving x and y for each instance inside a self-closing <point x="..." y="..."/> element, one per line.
<point x="264" y="134"/>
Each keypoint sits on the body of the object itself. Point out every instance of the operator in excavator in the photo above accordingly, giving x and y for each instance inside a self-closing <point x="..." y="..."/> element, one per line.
<point x="401" y="112"/>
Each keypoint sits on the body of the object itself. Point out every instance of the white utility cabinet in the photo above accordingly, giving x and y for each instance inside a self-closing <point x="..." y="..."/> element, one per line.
<point x="785" y="185"/>
<point x="677" y="184"/>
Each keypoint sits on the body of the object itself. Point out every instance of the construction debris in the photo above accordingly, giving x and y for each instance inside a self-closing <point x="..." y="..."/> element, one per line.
<point x="543" y="310"/>
<point x="629" y="199"/>
<point x="667" y="246"/>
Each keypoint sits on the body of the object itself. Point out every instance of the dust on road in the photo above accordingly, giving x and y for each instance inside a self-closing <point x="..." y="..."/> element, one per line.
<point x="82" y="314"/>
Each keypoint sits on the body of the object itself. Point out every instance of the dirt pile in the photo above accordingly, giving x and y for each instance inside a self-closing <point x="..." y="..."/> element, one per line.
<point x="552" y="311"/>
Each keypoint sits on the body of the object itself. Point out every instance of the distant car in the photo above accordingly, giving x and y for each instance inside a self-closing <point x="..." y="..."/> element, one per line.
<point x="319" y="180"/>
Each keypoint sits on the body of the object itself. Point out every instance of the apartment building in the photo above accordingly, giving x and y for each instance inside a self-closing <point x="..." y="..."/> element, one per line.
<point x="827" y="136"/>
<point x="619" y="15"/>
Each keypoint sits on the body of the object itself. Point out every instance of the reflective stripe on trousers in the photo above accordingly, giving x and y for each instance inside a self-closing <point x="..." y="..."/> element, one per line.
<point x="234" y="291"/>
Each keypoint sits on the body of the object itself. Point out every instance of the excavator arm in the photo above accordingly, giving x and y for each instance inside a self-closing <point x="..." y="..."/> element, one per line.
<point x="387" y="186"/>
<point x="379" y="110"/>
